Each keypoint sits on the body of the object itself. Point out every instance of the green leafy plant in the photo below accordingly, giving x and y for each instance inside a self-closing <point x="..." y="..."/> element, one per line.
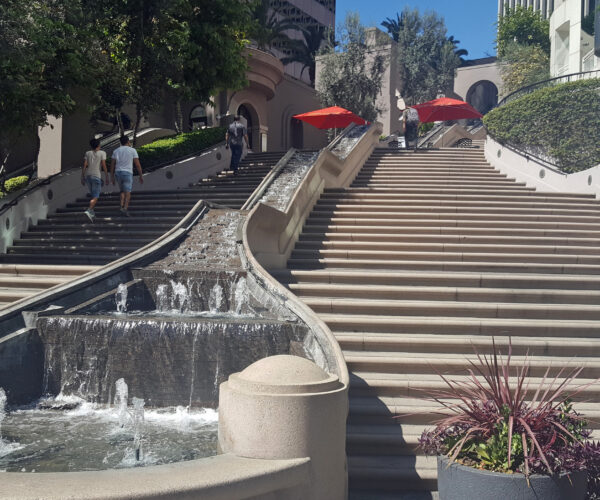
<point x="561" y="123"/>
<point x="505" y="425"/>
<point x="16" y="183"/>
<point x="171" y="148"/>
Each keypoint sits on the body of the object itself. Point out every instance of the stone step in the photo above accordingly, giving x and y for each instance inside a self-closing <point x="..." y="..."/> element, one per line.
<point x="445" y="294"/>
<point x="60" y="260"/>
<point x="504" y="238"/>
<point x="500" y="256"/>
<point x="389" y="473"/>
<point x="461" y="325"/>
<point x="464" y="247"/>
<point x="76" y="239"/>
<point x="424" y="364"/>
<point x="356" y="216"/>
<point x="484" y="266"/>
<point x="527" y="204"/>
<point x="451" y="308"/>
<point x="447" y="279"/>
<point x="427" y="385"/>
<point x="92" y="248"/>
<point x="99" y="231"/>
<point x="358" y="232"/>
<point x="450" y="209"/>
<point x="31" y="282"/>
<point x="349" y="223"/>
<point x="460" y="344"/>
<point x="42" y="270"/>
<point x="494" y="194"/>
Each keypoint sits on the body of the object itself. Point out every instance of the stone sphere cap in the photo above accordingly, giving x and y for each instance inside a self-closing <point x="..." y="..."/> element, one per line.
<point x="284" y="374"/>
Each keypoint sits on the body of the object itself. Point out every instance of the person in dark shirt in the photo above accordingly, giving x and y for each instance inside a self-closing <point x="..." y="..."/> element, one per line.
<point x="234" y="137"/>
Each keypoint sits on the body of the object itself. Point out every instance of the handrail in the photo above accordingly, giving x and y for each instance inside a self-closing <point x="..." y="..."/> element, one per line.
<point x="527" y="90"/>
<point x="52" y="178"/>
<point x="337" y="139"/>
<point x="258" y="193"/>
<point x="534" y="86"/>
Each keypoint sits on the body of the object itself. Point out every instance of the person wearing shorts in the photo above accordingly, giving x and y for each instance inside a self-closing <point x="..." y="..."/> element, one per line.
<point x="121" y="170"/>
<point x="90" y="175"/>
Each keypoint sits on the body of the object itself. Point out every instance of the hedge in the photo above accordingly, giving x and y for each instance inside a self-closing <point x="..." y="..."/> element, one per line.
<point x="16" y="183"/>
<point x="171" y="148"/>
<point x="560" y="122"/>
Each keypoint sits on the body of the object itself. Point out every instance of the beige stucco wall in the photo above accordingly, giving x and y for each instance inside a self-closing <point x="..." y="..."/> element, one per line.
<point x="568" y="43"/>
<point x="293" y="97"/>
<point x="468" y="76"/>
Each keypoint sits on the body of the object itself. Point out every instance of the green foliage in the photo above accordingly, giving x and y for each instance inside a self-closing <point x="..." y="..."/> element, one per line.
<point x="269" y="25"/>
<point x="16" y="183"/>
<point x="171" y="148"/>
<point x="44" y="57"/>
<point x="425" y="127"/>
<point x="523" y="65"/>
<point x="562" y="122"/>
<point x="353" y="75"/>
<point x="524" y="26"/>
<point x="427" y="58"/>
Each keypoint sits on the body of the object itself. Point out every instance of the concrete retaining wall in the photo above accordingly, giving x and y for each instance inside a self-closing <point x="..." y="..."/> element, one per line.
<point x="66" y="187"/>
<point x="540" y="175"/>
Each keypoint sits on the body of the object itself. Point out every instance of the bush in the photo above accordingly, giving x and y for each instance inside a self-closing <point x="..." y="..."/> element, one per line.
<point x="16" y="183"/>
<point x="560" y="122"/>
<point x="171" y="148"/>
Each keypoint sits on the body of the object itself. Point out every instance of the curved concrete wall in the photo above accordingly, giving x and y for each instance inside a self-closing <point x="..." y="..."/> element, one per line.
<point x="539" y="175"/>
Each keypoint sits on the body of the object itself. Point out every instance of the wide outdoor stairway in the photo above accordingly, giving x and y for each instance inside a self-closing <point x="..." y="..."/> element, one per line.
<point x="426" y="256"/>
<point x="68" y="240"/>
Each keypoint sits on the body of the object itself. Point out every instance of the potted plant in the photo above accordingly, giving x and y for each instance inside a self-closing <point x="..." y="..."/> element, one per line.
<point x="499" y="438"/>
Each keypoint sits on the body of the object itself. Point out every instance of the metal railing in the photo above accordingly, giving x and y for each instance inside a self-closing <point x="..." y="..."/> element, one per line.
<point x="572" y="77"/>
<point x="535" y="153"/>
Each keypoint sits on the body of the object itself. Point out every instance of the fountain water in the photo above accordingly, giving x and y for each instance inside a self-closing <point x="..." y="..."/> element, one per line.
<point x="2" y="409"/>
<point x="215" y="299"/>
<point x="138" y="427"/>
<point x="121" y="400"/>
<point x="240" y="295"/>
<point x="121" y="298"/>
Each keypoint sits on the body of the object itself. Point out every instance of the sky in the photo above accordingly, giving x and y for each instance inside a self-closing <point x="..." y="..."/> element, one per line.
<point x="470" y="21"/>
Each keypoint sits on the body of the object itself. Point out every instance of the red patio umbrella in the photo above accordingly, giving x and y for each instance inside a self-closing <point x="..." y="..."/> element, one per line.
<point x="333" y="117"/>
<point x="444" y="109"/>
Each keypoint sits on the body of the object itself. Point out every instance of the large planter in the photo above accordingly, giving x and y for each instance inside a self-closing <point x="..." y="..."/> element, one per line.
<point x="459" y="482"/>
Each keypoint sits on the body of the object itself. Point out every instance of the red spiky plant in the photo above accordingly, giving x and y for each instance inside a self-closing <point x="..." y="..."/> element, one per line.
<point x="496" y="425"/>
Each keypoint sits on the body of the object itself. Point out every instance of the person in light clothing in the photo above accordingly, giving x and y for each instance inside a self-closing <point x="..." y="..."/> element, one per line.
<point x="121" y="170"/>
<point x="90" y="175"/>
<point x="234" y="138"/>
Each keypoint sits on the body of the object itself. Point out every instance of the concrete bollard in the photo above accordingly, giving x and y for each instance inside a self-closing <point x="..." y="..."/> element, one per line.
<point x="286" y="407"/>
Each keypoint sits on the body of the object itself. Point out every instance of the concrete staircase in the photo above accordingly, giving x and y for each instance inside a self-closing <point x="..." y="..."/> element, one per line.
<point x="67" y="244"/>
<point x="426" y="255"/>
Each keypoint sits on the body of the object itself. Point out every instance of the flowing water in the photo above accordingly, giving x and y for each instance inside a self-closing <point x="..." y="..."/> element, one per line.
<point x="94" y="437"/>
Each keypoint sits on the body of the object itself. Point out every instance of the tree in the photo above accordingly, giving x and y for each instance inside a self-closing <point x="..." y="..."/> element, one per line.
<point x="524" y="26"/>
<point x="305" y="51"/>
<point x="172" y="50"/>
<point x="427" y="59"/>
<point x="43" y="60"/>
<point x="352" y="75"/>
<point x="524" y="65"/>
<point x="461" y="53"/>
<point x="269" y="26"/>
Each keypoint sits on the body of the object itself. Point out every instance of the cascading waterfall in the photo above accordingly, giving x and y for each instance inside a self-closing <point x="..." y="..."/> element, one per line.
<point x="138" y="427"/>
<point x="215" y="299"/>
<point x="2" y="409"/>
<point x="240" y="296"/>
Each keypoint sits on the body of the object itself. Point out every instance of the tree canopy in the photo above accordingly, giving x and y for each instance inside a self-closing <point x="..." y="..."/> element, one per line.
<point x="524" y="26"/>
<point x="43" y="58"/>
<point x="524" y="65"/>
<point x="352" y="74"/>
<point x="427" y="58"/>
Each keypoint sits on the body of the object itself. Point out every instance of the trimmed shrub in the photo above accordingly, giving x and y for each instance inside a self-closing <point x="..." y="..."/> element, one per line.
<point x="561" y="123"/>
<point x="16" y="183"/>
<point x="171" y="148"/>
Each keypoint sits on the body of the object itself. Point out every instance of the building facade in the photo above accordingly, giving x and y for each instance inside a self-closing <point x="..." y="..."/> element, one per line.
<point x="546" y="7"/>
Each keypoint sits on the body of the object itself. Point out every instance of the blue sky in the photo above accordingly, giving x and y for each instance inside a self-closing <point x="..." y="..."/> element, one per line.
<point x="470" y="21"/>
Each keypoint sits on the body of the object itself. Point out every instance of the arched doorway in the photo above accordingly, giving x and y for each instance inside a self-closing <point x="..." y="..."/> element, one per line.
<point x="247" y="113"/>
<point x="297" y="133"/>
<point x="483" y="96"/>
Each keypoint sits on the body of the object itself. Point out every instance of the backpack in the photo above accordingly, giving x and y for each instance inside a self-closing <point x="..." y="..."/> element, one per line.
<point x="412" y="116"/>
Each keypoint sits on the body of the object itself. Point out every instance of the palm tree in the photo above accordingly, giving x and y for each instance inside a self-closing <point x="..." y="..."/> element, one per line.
<point x="394" y="26"/>
<point x="459" y="52"/>
<point x="269" y="26"/>
<point x="304" y="51"/>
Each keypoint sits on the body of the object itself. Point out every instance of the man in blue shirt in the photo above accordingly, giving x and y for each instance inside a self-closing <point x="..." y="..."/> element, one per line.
<point x="121" y="170"/>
